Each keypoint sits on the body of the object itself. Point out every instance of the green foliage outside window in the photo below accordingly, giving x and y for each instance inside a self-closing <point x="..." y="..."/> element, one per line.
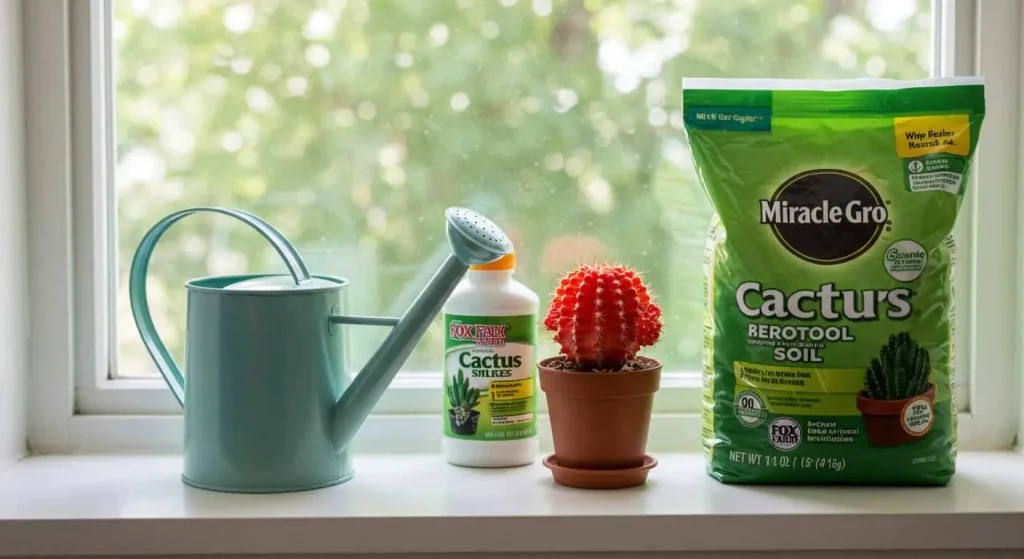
<point x="352" y="124"/>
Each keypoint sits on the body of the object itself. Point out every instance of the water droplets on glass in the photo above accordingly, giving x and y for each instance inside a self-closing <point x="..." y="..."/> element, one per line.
<point x="798" y="14"/>
<point x="120" y="30"/>
<point x="270" y="72"/>
<point x="319" y="25"/>
<point x="890" y="15"/>
<point x="390" y="155"/>
<point x="598" y="194"/>
<point x="574" y="166"/>
<point x="231" y="141"/>
<point x="459" y="102"/>
<point x="565" y="99"/>
<point x="875" y="66"/>
<point x="489" y="29"/>
<point x="296" y="86"/>
<point x="258" y="99"/>
<point x="344" y="117"/>
<point x="318" y="55"/>
<point x="367" y="110"/>
<point x="553" y="161"/>
<point x="403" y="60"/>
<point x="419" y="98"/>
<point x="657" y="117"/>
<point x="438" y="34"/>
<point x="238" y="18"/>
<point x="377" y="219"/>
<point x="163" y="15"/>
<point x="676" y="120"/>
<point x="241" y="65"/>
<point x="395" y="176"/>
<point x="145" y="76"/>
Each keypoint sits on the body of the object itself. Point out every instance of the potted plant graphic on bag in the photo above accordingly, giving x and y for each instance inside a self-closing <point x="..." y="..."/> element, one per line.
<point x="599" y="392"/>
<point x="897" y="400"/>
<point x="461" y="401"/>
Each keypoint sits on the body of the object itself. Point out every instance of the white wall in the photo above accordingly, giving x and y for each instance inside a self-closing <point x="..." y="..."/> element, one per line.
<point x="13" y="257"/>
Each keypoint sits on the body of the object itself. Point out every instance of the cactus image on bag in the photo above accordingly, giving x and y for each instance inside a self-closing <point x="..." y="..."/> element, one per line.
<point x="900" y="371"/>
<point x="897" y="400"/>
<point x="462" y="399"/>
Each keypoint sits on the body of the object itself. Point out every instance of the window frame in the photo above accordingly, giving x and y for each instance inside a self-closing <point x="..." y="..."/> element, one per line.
<point x="76" y="406"/>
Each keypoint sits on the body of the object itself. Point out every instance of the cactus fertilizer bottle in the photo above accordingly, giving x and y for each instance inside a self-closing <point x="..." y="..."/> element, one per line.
<point x="490" y="410"/>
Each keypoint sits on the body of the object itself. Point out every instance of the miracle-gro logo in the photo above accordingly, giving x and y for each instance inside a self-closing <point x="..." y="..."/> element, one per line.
<point x="825" y="216"/>
<point x="481" y="334"/>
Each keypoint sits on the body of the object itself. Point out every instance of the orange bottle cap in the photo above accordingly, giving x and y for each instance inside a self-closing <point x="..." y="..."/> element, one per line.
<point x="507" y="262"/>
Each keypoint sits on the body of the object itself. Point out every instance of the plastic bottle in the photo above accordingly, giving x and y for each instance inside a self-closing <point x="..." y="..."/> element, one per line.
<point x="490" y="344"/>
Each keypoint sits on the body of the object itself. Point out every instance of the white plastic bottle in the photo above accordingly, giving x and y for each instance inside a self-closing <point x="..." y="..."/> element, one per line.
<point x="490" y="372"/>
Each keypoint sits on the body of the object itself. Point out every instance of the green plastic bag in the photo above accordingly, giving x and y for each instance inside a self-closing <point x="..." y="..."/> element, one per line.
<point x="829" y="319"/>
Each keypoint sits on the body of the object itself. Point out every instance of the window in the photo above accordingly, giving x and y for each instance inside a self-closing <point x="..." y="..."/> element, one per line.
<point x="351" y="125"/>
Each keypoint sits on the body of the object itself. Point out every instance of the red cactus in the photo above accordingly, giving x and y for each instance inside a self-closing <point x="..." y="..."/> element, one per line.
<point x="602" y="315"/>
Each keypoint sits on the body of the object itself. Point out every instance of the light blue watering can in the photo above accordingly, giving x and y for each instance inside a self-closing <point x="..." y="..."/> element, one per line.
<point x="266" y="408"/>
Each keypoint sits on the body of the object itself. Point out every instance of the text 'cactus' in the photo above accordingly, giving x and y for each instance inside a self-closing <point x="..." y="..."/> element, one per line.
<point x="900" y="371"/>
<point x="602" y="315"/>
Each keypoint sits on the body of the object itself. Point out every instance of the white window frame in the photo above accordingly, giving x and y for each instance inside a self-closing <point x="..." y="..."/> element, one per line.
<point x="75" y="407"/>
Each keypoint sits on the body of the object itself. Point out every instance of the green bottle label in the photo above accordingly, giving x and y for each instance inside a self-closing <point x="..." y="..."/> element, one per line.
<point x="490" y="377"/>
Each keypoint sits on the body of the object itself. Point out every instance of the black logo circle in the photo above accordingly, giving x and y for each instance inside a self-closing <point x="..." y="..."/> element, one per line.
<point x="826" y="216"/>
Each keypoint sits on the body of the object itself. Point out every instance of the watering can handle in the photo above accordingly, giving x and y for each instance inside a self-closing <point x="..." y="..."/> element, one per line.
<point x="137" y="284"/>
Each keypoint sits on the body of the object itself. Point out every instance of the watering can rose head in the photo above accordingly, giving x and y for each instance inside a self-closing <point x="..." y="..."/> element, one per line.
<point x="601" y="316"/>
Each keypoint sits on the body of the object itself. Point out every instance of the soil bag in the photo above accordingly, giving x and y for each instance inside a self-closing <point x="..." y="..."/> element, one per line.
<point x="829" y="319"/>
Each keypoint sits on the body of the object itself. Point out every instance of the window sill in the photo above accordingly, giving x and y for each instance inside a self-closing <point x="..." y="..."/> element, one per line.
<point x="112" y="505"/>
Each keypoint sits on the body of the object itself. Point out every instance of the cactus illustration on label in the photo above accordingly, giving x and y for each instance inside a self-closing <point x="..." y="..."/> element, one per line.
<point x="901" y="370"/>
<point x="463" y="399"/>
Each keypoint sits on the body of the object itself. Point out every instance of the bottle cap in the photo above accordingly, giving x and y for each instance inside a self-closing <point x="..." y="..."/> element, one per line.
<point x="507" y="262"/>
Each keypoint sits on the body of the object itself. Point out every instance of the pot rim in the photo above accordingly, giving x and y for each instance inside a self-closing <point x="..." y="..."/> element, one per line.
<point x="869" y="406"/>
<point x="640" y="383"/>
<point x="541" y="364"/>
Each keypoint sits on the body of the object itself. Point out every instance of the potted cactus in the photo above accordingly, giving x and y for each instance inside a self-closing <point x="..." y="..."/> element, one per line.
<point x="462" y="399"/>
<point x="599" y="391"/>
<point x="896" y="402"/>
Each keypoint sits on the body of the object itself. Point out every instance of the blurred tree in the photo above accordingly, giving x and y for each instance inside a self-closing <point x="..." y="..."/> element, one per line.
<point x="352" y="124"/>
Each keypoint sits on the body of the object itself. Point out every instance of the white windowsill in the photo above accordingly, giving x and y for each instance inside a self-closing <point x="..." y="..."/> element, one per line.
<point x="135" y="505"/>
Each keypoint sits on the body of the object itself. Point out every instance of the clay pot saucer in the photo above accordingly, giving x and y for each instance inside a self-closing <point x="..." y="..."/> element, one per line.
<point x="600" y="479"/>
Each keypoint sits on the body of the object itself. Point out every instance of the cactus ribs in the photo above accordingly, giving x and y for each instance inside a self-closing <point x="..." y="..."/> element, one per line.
<point x="602" y="315"/>
<point x="900" y="371"/>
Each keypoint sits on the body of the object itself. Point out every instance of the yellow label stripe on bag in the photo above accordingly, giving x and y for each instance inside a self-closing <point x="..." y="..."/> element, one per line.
<point x="798" y="379"/>
<point x="923" y="135"/>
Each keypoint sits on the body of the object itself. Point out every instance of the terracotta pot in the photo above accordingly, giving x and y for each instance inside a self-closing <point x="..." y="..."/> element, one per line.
<point x="467" y="428"/>
<point x="883" y="419"/>
<point x="600" y="421"/>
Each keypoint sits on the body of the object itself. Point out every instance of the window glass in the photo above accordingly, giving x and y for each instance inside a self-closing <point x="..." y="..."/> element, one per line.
<point x="352" y="124"/>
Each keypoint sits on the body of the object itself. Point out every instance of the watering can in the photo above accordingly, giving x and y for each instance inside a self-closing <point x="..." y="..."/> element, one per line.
<point x="266" y="409"/>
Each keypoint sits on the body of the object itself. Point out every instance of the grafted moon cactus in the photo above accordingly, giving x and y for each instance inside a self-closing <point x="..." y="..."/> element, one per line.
<point x="602" y="315"/>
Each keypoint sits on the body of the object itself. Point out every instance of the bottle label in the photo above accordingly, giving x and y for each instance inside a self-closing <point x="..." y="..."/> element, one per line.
<point x="490" y="377"/>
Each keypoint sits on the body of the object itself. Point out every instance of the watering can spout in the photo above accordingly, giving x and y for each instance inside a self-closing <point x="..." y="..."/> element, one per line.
<point x="473" y="240"/>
